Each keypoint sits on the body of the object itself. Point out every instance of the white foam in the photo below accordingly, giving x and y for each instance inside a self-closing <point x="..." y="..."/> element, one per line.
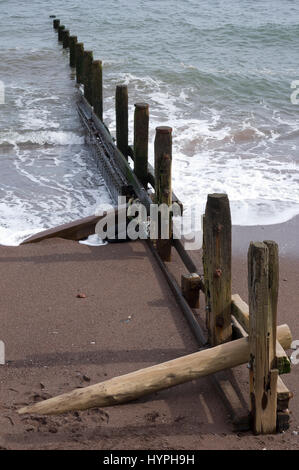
<point x="41" y="138"/>
<point x="263" y="188"/>
<point x="93" y="240"/>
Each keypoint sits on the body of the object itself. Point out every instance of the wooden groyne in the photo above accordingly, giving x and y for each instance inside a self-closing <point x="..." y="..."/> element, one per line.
<point x="228" y="317"/>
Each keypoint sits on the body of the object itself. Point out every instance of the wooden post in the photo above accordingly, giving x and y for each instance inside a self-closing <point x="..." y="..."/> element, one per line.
<point x="241" y="311"/>
<point x="191" y="284"/>
<point x="79" y="48"/>
<point x="87" y="64"/>
<point x="163" y="162"/>
<point x="217" y="268"/>
<point x="61" y="27"/>
<point x="56" y="23"/>
<point x="65" y="38"/>
<point x="72" y="44"/>
<point x="262" y="339"/>
<point x="97" y="88"/>
<point x="141" y="124"/>
<point x="273" y="291"/>
<point x="121" y="110"/>
<point x="152" y="379"/>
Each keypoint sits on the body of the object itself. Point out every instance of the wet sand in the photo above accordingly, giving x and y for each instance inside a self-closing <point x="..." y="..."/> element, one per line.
<point x="128" y="319"/>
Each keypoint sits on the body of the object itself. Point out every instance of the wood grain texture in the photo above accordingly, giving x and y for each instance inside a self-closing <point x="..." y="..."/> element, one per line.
<point x="262" y="340"/>
<point x="152" y="379"/>
<point x="163" y="189"/>
<point x="217" y="267"/>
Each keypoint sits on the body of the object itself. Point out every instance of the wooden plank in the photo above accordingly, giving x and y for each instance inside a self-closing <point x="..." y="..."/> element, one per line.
<point x="240" y="310"/>
<point x="217" y="267"/>
<point x="262" y="340"/>
<point x="76" y="230"/>
<point x="152" y="379"/>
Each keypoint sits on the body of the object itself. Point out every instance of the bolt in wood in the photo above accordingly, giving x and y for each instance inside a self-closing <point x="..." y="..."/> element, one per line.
<point x="262" y="339"/>
<point x="163" y="162"/>
<point x="97" y="88"/>
<point x="79" y="54"/>
<point x="141" y="124"/>
<point x="72" y="44"/>
<point x="121" y="111"/>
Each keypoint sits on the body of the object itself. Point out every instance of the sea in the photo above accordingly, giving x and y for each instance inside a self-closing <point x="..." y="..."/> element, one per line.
<point x="223" y="75"/>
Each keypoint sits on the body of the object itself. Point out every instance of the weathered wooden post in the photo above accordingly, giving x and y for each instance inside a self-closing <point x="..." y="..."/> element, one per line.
<point x="273" y="286"/>
<point x="87" y="65"/>
<point x="56" y="23"/>
<point x="121" y="111"/>
<point x="163" y="162"/>
<point x="65" y="38"/>
<point x="61" y="27"/>
<point x="282" y="362"/>
<point x="141" y="123"/>
<point x="97" y="88"/>
<point x="72" y="44"/>
<point x="79" y="48"/>
<point x="263" y="373"/>
<point x="191" y="284"/>
<point x="217" y="235"/>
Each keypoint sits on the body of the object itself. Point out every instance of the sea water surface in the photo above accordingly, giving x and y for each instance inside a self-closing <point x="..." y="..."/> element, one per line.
<point x="219" y="73"/>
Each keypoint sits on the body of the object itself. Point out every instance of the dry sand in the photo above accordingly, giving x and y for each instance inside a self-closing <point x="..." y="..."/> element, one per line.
<point x="56" y="342"/>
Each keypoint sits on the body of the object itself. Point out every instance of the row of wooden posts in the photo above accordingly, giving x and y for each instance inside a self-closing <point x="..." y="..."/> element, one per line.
<point x="258" y="322"/>
<point x="89" y="72"/>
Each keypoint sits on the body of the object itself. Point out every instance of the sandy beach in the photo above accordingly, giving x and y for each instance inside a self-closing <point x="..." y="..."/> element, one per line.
<point x="127" y="319"/>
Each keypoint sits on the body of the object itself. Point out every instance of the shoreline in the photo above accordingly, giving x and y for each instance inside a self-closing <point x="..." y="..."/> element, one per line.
<point x="285" y="234"/>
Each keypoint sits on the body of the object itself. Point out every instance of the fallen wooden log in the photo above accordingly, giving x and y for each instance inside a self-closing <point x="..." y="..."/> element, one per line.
<point x="152" y="379"/>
